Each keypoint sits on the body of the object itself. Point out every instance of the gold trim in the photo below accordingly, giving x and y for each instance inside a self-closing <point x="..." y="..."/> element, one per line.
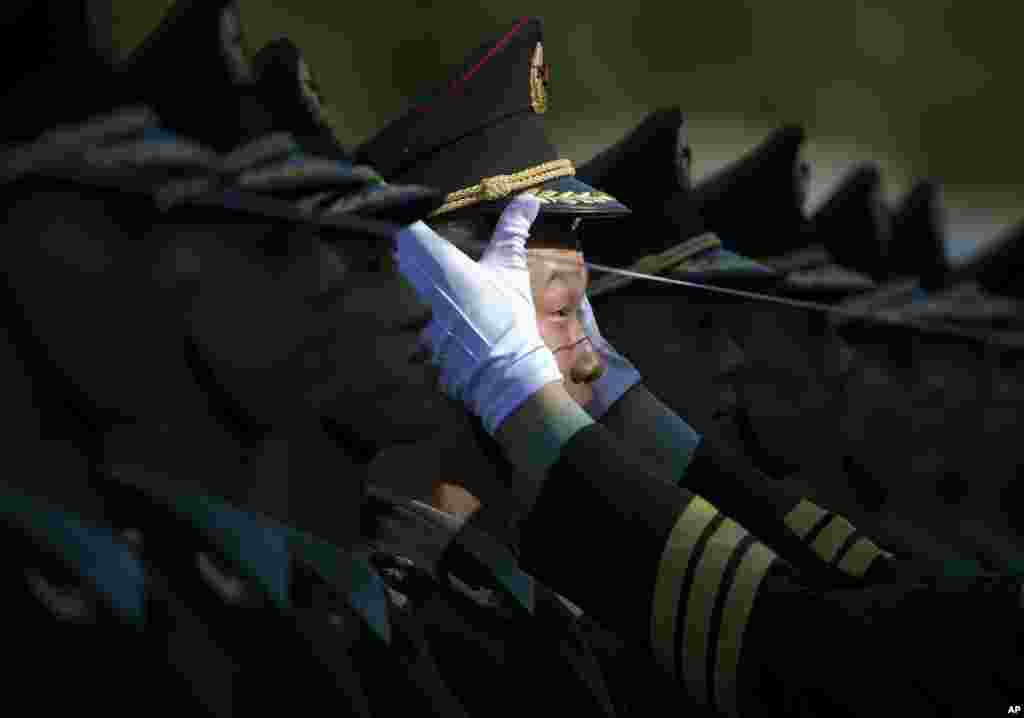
<point x="859" y="558"/>
<point x="539" y="75"/>
<point x="803" y="517"/>
<point x="674" y="256"/>
<point x="706" y="584"/>
<point x="739" y="604"/>
<point x="499" y="186"/>
<point x="547" y="196"/>
<point x="657" y="263"/>
<point x="671" y="572"/>
<point x="310" y="89"/>
<point x="832" y="537"/>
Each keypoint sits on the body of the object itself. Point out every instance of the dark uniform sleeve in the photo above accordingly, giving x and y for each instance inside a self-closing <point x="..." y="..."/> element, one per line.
<point x="650" y="561"/>
<point x="722" y="613"/>
<point x="822" y="544"/>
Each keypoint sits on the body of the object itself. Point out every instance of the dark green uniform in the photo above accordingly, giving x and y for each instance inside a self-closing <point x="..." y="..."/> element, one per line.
<point x="450" y="138"/>
<point x="727" y="618"/>
<point x="654" y="563"/>
<point x="299" y="622"/>
<point x="691" y="583"/>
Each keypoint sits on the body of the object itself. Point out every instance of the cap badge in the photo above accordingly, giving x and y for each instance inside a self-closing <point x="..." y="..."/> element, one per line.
<point x="539" y="76"/>
<point x="310" y="90"/>
<point x="684" y="161"/>
<point x="233" y="45"/>
<point x="550" y="196"/>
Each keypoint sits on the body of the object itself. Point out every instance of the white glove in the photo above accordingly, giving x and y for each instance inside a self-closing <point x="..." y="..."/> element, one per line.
<point x="619" y="374"/>
<point x="484" y="336"/>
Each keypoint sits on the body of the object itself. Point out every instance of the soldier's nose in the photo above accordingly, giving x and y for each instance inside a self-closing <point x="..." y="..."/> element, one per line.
<point x="576" y="333"/>
<point x="589" y="366"/>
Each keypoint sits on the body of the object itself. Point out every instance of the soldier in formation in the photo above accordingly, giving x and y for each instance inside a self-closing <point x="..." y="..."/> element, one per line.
<point x="226" y="335"/>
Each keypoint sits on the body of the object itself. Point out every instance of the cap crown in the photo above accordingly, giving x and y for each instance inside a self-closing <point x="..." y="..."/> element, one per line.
<point x="479" y="136"/>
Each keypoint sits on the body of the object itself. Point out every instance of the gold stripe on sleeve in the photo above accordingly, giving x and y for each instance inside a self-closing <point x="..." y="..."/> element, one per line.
<point x="832" y="537"/>
<point x="804" y="517"/>
<point x="699" y="605"/>
<point x="671" y="573"/>
<point x="859" y="557"/>
<point x="739" y="604"/>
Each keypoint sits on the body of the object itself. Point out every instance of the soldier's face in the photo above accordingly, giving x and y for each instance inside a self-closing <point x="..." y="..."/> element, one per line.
<point x="289" y="322"/>
<point x="81" y="283"/>
<point x="558" y="280"/>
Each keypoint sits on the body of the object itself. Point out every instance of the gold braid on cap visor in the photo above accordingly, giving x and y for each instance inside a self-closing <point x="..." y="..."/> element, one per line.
<point x="499" y="186"/>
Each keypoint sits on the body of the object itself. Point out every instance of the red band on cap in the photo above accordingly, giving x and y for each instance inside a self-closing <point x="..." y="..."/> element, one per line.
<point x="457" y="84"/>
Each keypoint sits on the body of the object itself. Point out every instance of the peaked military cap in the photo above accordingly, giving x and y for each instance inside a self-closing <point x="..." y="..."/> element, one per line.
<point x="649" y="170"/>
<point x="664" y="213"/>
<point x="64" y="46"/>
<point x="763" y="189"/>
<point x="752" y="206"/>
<point x="842" y="246"/>
<point x="854" y="224"/>
<point x="996" y="265"/>
<point x="648" y="165"/>
<point x="194" y="70"/>
<point x="240" y="101"/>
<point x="479" y="136"/>
<point x="130" y="152"/>
<point x="917" y="246"/>
<point x="702" y="260"/>
<point x="291" y="98"/>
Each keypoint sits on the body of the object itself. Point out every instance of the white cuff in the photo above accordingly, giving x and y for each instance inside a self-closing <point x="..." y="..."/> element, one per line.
<point x="514" y="385"/>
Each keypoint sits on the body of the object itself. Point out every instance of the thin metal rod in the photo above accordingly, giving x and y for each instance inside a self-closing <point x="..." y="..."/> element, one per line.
<point x="1006" y="339"/>
<point x="813" y="306"/>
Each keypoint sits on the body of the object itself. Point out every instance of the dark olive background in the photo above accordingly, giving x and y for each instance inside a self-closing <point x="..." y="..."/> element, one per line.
<point x="923" y="88"/>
